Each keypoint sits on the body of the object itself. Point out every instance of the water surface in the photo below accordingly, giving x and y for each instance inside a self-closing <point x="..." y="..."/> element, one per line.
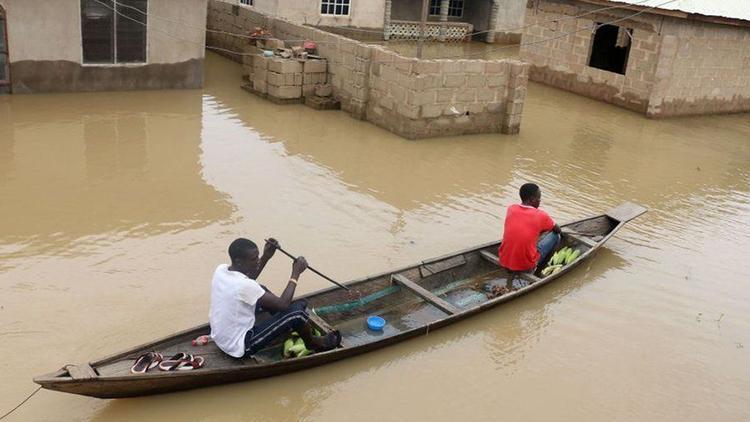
<point x="118" y="206"/>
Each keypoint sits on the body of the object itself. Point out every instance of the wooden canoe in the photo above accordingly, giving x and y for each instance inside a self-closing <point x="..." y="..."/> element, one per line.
<point x="414" y="300"/>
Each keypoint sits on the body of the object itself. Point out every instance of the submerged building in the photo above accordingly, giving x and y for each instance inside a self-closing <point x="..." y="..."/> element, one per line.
<point x="486" y="20"/>
<point x="93" y="45"/>
<point x="680" y="58"/>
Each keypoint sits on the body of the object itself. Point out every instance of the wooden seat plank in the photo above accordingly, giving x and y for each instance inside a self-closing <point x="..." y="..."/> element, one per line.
<point x="425" y="294"/>
<point x="489" y="257"/>
<point x="325" y="327"/>
<point x="82" y="372"/>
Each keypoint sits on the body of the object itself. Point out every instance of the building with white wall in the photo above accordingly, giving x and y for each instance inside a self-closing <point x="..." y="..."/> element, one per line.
<point x="486" y="20"/>
<point x="94" y="45"/>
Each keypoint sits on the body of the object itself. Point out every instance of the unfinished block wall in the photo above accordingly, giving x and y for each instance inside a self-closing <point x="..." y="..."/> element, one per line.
<point x="564" y="62"/>
<point x="411" y="97"/>
<point x="703" y="68"/>
<point x="676" y="66"/>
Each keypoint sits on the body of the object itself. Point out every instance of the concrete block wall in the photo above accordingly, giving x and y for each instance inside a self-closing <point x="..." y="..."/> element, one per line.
<point x="676" y="66"/>
<point x="425" y="98"/>
<point x="563" y="62"/>
<point x="703" y="68"/>
<point x="410" y="97"/>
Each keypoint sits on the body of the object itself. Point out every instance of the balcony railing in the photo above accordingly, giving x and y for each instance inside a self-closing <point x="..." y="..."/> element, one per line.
<point x="409" y="30"/>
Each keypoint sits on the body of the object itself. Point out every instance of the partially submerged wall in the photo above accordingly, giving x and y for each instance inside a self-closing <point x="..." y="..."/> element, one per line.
<point x="703" y="68"/>
<point x="410" y="97"/>
<point x="676" y="66"/>
<point x="564" y="62"/>
<point x="46" y="53"/>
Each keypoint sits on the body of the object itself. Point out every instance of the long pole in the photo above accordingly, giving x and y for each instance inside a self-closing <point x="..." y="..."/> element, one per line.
<point x="422" y="27"/>
<point x="309" y="267"/>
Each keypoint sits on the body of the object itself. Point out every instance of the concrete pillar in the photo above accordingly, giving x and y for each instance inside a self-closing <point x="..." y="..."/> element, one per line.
<point x="443" y="19"/>
<point x="490" y="38"/>
<point x="387" y="21"/>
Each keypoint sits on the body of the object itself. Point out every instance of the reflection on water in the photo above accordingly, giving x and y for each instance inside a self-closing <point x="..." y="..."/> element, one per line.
<point x="119" y="206"/>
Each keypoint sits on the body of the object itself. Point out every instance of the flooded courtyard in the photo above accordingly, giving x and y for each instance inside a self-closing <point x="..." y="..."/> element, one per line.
<point x="117" y="207"/>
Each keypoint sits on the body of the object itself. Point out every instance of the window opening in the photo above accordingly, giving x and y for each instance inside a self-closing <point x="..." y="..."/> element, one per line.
<point x="246" y="2"/>
<point x="610" y="48"/>
<point x="110" y="37"/>
<point x="334" y="7"/>
<point x="455" y="8"/>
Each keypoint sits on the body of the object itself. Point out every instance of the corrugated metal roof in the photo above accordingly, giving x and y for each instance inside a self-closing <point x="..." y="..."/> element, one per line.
<point x="735" y="9"/>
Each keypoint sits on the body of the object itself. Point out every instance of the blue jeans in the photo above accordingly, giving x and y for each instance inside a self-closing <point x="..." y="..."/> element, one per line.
<point x="546" y="245"/>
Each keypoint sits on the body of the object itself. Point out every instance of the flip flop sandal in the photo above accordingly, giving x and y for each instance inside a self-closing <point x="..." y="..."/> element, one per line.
<point x="189" y="365"/>
<point x="145" y="362"/>
<point x="171" y="363"/>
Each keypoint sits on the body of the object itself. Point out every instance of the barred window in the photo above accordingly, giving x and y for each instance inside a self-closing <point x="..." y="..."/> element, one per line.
<point x="114" y="31"/>
<point x="334" y="7"/>
<point x="455" y="8"/>
<point x="246" y="2"/>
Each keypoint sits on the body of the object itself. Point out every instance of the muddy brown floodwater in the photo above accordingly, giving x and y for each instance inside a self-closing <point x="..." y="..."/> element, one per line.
<point x="116" y="208"/>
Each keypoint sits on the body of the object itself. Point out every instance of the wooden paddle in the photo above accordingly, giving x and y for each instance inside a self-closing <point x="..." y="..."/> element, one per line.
<point x="276" y="245"/>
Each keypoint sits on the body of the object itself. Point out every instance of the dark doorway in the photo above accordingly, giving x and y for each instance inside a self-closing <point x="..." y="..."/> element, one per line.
<point x="610" y="48"/>
<point x="4" y="61"/>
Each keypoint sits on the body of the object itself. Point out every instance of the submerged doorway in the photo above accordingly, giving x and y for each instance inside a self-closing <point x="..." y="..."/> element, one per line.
<point x="4" y="61"/>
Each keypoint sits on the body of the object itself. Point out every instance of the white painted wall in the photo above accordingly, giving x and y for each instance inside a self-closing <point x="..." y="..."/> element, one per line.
<point x="362" y="13"/>
<point x="51" y="30"/>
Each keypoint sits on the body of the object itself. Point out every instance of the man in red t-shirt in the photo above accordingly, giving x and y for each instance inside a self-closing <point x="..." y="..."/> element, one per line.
<point x="524" y="240"/>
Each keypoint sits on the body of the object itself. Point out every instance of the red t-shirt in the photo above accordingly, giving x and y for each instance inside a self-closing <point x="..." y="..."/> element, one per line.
<point x="523" y="224"/>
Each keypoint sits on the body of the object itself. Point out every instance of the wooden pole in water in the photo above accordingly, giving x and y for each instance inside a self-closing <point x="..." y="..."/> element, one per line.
<point x="422" y="27"/>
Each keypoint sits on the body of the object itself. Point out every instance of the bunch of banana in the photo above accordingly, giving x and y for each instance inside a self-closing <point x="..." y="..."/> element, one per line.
<point x="560" y="259"/>
<point x="294" y="346"/>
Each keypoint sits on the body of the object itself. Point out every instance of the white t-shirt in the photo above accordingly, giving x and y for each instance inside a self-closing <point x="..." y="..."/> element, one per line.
<point x="232" y="313"/>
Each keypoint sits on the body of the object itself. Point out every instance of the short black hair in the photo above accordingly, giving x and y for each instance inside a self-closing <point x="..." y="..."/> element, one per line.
<point x="239" y="248"/>
<point x="528" y="191"/>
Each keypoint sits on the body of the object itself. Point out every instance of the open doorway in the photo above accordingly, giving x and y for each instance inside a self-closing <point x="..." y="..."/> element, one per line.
<point x="4" y="61"/>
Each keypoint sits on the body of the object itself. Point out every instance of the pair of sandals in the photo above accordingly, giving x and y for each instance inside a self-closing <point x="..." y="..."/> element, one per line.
<point x="179" y="362"/>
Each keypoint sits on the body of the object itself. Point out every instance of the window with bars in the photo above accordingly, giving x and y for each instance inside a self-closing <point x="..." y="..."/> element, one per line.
<point x="334" y="7"/>
<point x="455" y="8"/>
<point x="114" y="31"/>
<point x="246" y="2"/>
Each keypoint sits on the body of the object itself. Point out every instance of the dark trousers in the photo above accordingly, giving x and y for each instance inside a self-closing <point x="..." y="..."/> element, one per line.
<point x="264" y="332"/>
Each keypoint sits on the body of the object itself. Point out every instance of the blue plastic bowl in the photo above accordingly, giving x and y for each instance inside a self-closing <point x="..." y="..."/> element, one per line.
<point x="375" y="323"/>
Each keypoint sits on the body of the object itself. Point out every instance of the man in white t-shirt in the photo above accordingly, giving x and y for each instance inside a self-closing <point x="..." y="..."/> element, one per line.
<point x="236" y="299"/>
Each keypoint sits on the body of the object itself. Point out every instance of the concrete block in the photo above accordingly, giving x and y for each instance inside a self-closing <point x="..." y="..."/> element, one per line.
<point x="285" y="92"/>
<point x="496" y="67"/>
<point x="314" y="78"/>
<point x="308" y="90"/>
<point x="260" y="62"/>
<point x="473" y="66"/>
<point x="444" y="95"/>
<point x="260" y="75"/>
<point x="279" y="65"/>
<point x="260" y="86"/>
<point x="420" y="98"/>
<point x="485" y="95"/>
<point x="314" y="66"/>
<point x="426" y="66"/>
<point x="323" y="90"/>
<point x="494" y="81"/>
<point x="431" y="111"/>
<point x="408" y="111"/>
<point x="468" y="95"/>
<point x="475" y="81"/>
<point x="450" y="66"/>
<point x="427" y="81"/>
<point x="454" y="80"/>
